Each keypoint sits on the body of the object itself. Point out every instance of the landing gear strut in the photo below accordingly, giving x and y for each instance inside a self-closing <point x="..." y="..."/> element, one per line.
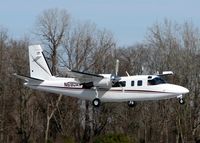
<point x="96" y="102"/>
<point x="131" y="103"/>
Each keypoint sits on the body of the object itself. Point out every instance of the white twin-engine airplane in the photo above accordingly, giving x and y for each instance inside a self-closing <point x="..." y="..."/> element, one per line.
<point x="99" y="87"/>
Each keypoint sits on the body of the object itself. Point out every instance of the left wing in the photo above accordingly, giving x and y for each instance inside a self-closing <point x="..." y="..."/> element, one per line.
<point x="83" y="77"/>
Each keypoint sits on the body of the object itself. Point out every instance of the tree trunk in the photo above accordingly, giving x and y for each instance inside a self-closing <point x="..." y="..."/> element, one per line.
<point x="54" y="60"/>
<point x="2" y="117"/>
<point x="87" y="130"/>
<point x="47" y="129"/>
<point x="50" y="115"/>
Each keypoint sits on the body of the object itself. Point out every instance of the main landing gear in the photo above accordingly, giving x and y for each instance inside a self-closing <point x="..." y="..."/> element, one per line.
<point x="96" y="102"/>
<point x="131" y="103"/>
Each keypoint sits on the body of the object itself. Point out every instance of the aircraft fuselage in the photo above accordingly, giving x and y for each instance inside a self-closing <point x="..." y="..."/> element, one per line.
<point x="135" y="88"/>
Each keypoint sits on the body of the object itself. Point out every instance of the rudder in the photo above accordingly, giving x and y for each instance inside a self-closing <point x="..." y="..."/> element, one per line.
<point x="38" y="65"/>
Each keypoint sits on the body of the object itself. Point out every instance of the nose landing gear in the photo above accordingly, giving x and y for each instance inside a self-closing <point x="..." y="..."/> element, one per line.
<point x="181" y="100"/>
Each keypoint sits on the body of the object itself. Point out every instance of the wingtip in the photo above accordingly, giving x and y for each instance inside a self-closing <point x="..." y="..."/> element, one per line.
<point x="68" y="69"/>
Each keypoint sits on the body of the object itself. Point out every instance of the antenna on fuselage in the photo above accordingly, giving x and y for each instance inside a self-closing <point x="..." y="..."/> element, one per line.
<point x="127" y="73"/>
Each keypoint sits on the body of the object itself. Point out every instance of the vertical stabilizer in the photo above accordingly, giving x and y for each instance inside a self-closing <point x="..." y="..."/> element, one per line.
<point x="38" y="65"/>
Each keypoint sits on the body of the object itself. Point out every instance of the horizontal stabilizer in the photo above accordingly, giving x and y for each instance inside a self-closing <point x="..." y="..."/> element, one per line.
<point x="28" y="79"/>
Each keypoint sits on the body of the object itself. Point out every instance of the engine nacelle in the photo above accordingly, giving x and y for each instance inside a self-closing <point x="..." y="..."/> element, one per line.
<point x="106" y="82"/>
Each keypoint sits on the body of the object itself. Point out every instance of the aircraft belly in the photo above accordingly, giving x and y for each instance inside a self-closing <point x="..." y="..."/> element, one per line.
<point x="135" y="96"/>
<point x="107" y="95"/>
<point x="73" y="92"/>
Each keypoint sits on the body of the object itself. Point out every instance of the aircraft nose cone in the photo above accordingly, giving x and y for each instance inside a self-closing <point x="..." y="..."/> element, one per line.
<point x="185" y="90"/>
<point x="182" y="90"/>
<point x="179" y="89"/>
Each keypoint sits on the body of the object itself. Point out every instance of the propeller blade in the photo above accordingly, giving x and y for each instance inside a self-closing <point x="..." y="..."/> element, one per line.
<point x="115" y="77"/>
<point x="117" y="67"/>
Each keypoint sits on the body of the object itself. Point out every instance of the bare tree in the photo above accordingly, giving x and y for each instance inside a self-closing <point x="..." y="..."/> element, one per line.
<point x="31" y="116"/>
<point x="51" y="27"/>
<point x="3" y="40"/>
<point x="89" y="49"/>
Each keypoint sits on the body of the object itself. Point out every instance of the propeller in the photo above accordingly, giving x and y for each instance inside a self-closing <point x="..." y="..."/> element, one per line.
<point x="117" y="67"/>
<point x="115" y="77"/>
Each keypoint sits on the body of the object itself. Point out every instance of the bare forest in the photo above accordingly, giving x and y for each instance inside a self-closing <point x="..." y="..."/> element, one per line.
<point x="29" y="116"/>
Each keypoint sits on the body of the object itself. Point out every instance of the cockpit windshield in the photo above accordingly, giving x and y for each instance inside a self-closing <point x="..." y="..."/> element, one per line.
<point x="156" y="81"/>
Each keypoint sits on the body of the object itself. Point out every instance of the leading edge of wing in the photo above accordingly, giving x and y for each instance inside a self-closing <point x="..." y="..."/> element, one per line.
<point x="28" y="79"/>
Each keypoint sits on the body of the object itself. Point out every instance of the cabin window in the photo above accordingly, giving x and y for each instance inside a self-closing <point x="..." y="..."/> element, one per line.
<point x="119" y="84"/>
<point x="132" y="83"/>
<point x="156" y="81"/>
<point x="139" y="83"/>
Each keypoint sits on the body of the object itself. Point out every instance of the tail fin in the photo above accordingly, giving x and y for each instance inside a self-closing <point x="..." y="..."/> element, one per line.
<point x="38" y="65"/>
